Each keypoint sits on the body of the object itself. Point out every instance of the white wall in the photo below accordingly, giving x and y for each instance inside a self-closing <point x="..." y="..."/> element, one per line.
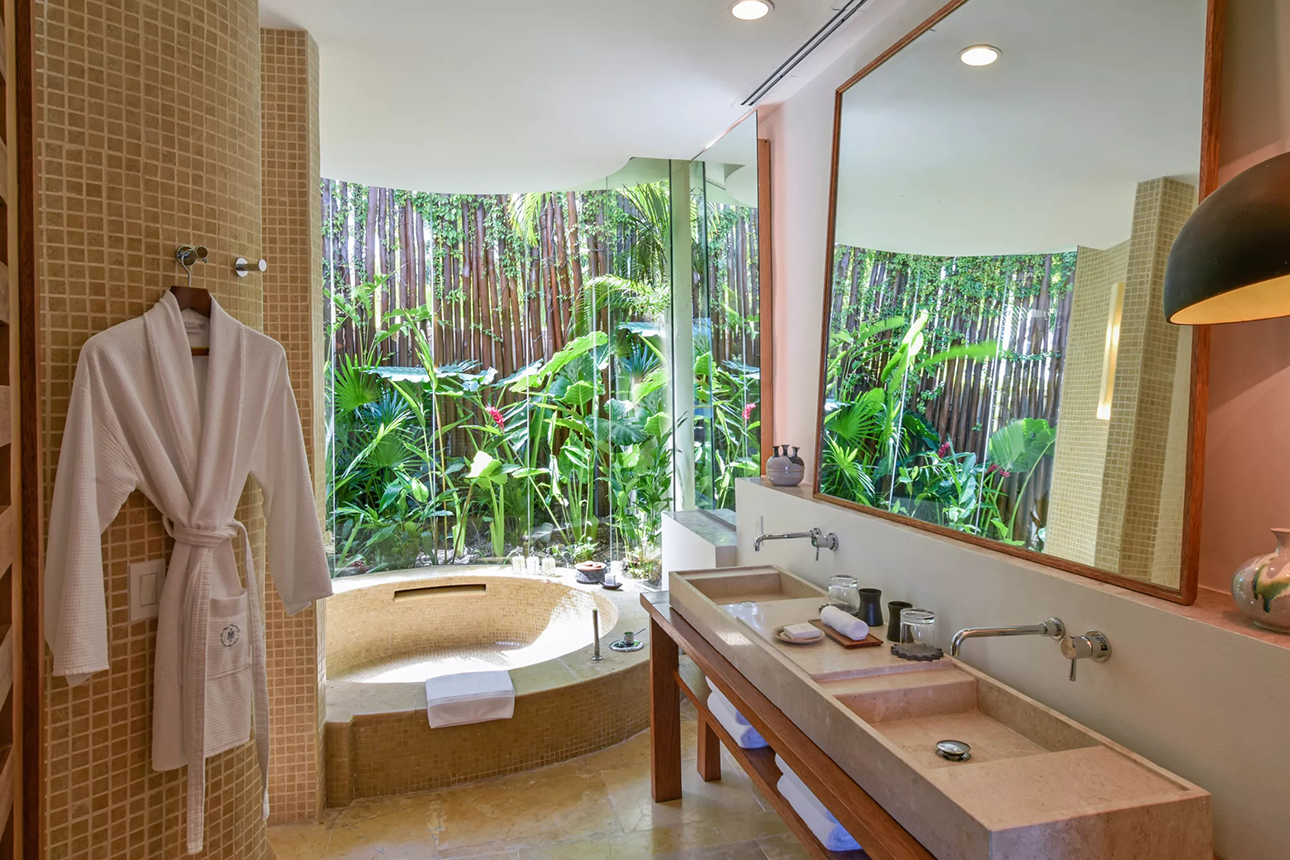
<point x="1207" y="703"/>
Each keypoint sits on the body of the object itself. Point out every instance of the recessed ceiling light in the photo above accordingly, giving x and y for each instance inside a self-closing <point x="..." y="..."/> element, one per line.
<point x="979" y="55"/>
<point x="751" y="10"/>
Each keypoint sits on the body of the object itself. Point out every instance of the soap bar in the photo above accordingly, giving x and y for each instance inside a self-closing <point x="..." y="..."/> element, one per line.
<point x="804" y="630"/>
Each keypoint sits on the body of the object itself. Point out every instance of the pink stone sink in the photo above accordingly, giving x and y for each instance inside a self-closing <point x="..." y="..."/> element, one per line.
<point x="1037" y="785"/>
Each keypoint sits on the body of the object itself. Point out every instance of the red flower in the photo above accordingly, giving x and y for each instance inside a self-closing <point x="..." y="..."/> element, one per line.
<point x="999" y="470"/>
<point x="944" y="449"/>
<point x="496" y="414"/>
<point x="748" y="411"/>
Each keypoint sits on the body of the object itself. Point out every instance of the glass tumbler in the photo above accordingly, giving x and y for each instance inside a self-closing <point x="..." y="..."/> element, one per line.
<point x="918" y="627"/>
<point x="844" y="593"/>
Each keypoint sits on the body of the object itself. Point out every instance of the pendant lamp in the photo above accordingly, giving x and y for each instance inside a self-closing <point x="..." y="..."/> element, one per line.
<point x="1231" y="260"/>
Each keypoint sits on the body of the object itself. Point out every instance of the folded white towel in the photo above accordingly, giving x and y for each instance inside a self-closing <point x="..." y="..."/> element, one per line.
<point x="844" y="622"/>
<point x="814" y="814"/>
<point x="804" y="630"/>
<point x="469" y="697"/>
<point x="734" y="723"/>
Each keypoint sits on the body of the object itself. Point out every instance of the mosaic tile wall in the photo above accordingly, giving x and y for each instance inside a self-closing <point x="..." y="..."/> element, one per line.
<point x="148" y="138"/>
<point x="1118" y="484"/>
<point x="1143" y="407"/>
<point x="1080" y="454"/>
<point x="383" y="754"/>
<point x="293" y="315"/>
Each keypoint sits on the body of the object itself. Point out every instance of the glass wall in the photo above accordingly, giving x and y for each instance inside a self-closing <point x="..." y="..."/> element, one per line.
<point x="726" y="302"/>
<point x="498" y="378"/>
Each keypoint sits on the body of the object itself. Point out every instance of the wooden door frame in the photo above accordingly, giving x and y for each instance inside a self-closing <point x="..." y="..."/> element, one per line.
<point x="1215" y="27"/>
<point x="765" y="297"/>
<point x="31" y="497"/>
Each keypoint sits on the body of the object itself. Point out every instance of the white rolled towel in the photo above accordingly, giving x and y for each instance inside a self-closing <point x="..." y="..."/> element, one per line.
<point x="733" y="722"/>
<point x="814" y="814"/>
<point x="844" y="622"/>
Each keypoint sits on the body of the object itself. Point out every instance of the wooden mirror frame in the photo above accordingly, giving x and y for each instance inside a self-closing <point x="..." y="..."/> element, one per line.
<point x="1210" y="109"/>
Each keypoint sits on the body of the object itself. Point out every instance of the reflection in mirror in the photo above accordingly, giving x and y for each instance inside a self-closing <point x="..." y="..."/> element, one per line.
<point x="996" y="361"/>
<point x="726" y="286"/>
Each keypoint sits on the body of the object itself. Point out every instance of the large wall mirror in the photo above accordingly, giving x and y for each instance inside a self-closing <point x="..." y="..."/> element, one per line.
<point x="996" y="363"/>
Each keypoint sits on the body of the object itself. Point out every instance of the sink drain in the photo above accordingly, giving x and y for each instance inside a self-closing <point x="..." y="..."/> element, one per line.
<point x="953" y="750"/>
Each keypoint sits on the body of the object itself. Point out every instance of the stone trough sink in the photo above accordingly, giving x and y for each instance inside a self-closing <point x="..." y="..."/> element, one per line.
<point x="1037" y="785"/>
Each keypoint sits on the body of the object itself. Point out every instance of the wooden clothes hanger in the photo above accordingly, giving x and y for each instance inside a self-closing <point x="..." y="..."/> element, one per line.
<point x="190" y="297"/>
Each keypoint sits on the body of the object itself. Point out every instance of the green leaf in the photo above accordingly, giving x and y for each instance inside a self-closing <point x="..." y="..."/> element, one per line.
<point x="579" y="393"/>
<point x="1021" y="444"/>
<point x="484" y="467"/>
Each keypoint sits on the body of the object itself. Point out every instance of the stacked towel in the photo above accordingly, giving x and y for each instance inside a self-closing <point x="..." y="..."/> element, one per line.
<point x="844" y="622"/>
<point x="469" y="697"/>
<point x="734" y="722"/>
<point x="817" y="818"/>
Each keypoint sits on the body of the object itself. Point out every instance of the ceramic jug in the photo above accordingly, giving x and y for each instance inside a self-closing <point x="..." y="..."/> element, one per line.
<point x="1261" y="586"/>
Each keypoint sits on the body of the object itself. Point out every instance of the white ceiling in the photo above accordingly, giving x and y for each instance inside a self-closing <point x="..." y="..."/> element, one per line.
<point x="505" y="96"/>
<point x="1039" y="152"/>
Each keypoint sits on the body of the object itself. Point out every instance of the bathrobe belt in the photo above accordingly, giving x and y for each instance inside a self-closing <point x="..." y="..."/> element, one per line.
<point x="197" y="602"/>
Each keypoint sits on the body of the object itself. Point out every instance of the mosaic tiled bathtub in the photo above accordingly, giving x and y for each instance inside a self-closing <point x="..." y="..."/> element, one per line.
<point x="386" y="633"/>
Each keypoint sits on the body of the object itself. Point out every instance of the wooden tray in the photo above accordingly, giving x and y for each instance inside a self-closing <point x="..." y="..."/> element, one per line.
<point x="869" y="641"/>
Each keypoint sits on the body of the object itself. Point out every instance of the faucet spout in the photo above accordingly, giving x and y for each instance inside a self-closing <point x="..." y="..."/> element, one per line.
<point x="1052" y="628"/>
<point x="817" y="537"/>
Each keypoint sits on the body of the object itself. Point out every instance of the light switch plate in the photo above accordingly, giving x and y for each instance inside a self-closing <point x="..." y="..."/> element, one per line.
<point x="146" y="580"/>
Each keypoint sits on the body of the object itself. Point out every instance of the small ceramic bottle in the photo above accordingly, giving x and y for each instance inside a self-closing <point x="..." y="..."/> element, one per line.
<point x="796" y="458"/>
<point x="781" y="469"/>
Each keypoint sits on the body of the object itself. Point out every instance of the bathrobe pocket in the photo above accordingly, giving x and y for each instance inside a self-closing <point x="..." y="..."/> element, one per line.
<point x="229" y="689"/>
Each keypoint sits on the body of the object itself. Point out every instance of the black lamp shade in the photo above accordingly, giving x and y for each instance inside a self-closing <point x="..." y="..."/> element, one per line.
<point x="1231" y="260"/>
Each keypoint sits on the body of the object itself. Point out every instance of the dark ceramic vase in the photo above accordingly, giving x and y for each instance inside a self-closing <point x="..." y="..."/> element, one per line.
<point x="894" y="608"/>
<point x="870" y="607"/>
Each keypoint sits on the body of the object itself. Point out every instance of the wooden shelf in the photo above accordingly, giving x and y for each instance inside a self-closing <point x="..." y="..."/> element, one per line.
<point x="878" y="833"/>
<point x="761" y="769"/>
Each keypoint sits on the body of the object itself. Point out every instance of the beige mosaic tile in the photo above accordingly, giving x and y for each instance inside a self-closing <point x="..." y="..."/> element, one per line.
<point x="293" y="316"/>
<point x="149" y="138"/>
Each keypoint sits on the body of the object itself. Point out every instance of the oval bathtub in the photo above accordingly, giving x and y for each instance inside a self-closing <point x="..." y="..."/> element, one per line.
<point x="410" y="629"/>
<point x="386" y="633"/>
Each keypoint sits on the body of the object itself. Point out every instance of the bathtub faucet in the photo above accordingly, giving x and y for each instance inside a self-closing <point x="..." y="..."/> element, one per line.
<point x="818" y="539"/>
<point x="595" y="634"/>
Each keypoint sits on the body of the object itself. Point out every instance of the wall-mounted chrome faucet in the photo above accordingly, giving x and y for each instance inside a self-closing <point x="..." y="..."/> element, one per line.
<point x="818" y="539"/>
<point x="1052" y="628"/>
<point x="1093" y="645"/>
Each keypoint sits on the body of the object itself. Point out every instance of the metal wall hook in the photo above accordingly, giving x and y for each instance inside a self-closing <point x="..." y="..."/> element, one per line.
<point x="245" y="267"/>
<point x="188" y="256"/>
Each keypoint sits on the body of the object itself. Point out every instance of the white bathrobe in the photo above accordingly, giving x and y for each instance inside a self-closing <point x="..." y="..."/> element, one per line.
<point x="186" y="431"/>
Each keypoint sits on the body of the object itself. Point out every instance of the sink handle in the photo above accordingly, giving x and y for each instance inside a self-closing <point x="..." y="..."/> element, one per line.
<point x="1093" y="645"/>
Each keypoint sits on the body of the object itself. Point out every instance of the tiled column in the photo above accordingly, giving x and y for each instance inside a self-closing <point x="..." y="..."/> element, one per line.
<point x="149" y="137"/>
<point x="293" y="315"/>
<point x="1146" y="415"/>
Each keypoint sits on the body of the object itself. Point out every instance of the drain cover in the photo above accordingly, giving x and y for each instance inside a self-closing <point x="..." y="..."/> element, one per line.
<point x="953" y="750"/>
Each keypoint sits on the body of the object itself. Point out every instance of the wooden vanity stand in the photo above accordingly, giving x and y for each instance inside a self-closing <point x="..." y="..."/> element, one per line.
<point x="669" y="634"/>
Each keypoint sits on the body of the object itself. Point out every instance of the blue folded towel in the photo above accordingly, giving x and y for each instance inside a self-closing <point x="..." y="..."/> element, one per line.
<point x="745" y="735"/>
<point x="817" y="818"/>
